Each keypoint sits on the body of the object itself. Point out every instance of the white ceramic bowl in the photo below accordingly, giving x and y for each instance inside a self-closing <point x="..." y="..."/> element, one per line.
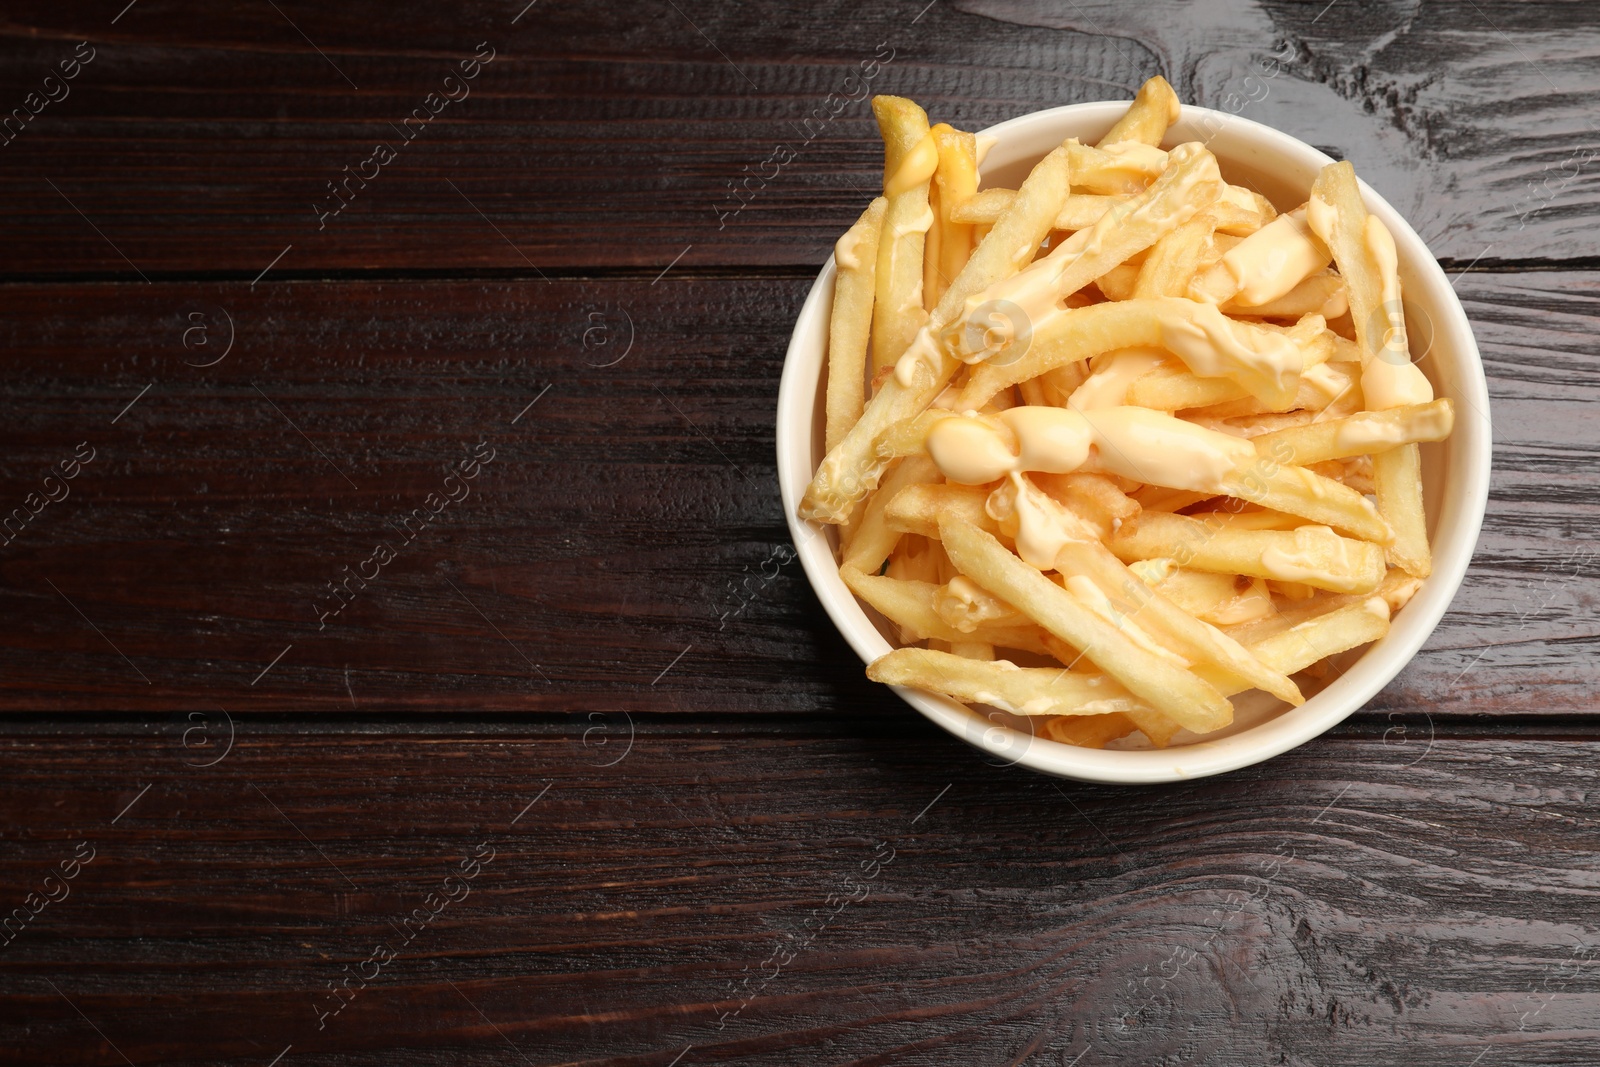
<point x="1455" y="471"/>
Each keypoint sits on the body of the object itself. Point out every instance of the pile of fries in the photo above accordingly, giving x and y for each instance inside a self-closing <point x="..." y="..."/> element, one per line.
<point x="1115" y="446"/>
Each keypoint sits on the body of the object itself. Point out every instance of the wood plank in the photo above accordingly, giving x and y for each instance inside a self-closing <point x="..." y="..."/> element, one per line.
<point x="1353" y="902"/>
<point x="624" y="550"/>
<point x="624" y="137"/>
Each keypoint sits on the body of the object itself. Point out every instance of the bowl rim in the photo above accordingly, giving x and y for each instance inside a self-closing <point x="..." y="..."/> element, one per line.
<point x="1376" y="666"/>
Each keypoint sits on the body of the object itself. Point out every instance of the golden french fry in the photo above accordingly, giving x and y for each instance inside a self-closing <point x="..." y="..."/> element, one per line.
<point x="1160" y="498"/>
<point x="850" y="470"/>
<point x="1123" y="169"/>
<point x="1003" y="685"/>
<point x="1089" y="731"/>
<point x="1397" y="479"/>
<point x="1119" y="282"/>
<point x="856" y="258"/>
<point x="1312" y="555"/>
<point x="1265" y="362"/>
<point x="955" y="182"/>
<point x="1337" y="216"/>
<point x="914" y="560"/>
<point x="1327" y="390"/>
<point x="1364" y="250"/>
<point x="1220" y="599"/>
<point x="1154" y="109"/>
<point x="1161" y="683"/>
<point x="1094" y="498"/>
<point x="1368" y="432"/>
<point x="909" y="605"/>
<point x="1079" y="212"/>
<point x="910" y="159"/>
<point x="1183" y="633"/>
<point x="1398" y="588"/>
<point x="917" y="508"/>
<point x="1171" y="263"/>
<point x="1273" y="484"/>
<point x="1299" y="646"/>
<point x="872" y="538"/>
<point x="1188" y="186"/>
<point x="1025" y="691"/>
<point x="909" y="437"/>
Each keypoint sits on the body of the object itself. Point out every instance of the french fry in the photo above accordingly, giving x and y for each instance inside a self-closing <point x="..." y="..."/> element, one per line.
<point x="1368" y="432"/>
<point x="1089" y="731"/>
<point x="1219" y="599"/>
<point x="1397" y="479"/>
<point x="856" y="258"/>
<point x="1175" y="387"/>
<point x="1003" y="685"/>
<point x="1189" y="185"/>
<point x="872" y="538"/>
<point x="1079" y="212"/>
<point x="915" y="559"/>
<point x="1257" y="358"/>
<point x="1158" y="681"/>
<point x="1340" y="223"/>
<point x="1171" y="263"/>
<point x="1024" y="691"/>
<point x="1183" y="633"/>
<point x="1343" y="223"/>
<point x="910" y="158"/>
<point x="909" y="437"/>
<point x="1320" y="294"/>
<point x="1313" y="555"/>
<point x="917" y="508"/>
<point x="1124" y="169"/>
<point x="966" y="605"/>
<point x="909" y="605"/>
<point x="1347" y="627"/>
<point x="1154" y="108"/>
<point x="1160" y="498"/>
<point x="1272" y="483"/>
<point x="1119" y="282"/>
<point x="850" y="470"/>
<point x="956" y="182"/>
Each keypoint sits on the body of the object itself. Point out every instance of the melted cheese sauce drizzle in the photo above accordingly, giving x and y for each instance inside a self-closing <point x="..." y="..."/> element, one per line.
<point x="915" y="169"/>
<point x="1275" y="259"/>
<point x="1147" y="446"/>
<point x="1268" y="364"/>
<point x="847" y="250"/>
<point x="1108" y="386"/>
<point x="1304" y="561"/>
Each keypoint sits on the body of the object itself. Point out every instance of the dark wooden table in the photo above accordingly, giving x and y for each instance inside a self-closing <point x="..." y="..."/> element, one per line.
<point x="584" y="775"/>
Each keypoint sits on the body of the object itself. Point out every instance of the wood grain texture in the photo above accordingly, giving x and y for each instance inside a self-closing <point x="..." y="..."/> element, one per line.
<point x="629" y="524"/>
<point x="603" y="136"/>
<point x="1359" y="901"/>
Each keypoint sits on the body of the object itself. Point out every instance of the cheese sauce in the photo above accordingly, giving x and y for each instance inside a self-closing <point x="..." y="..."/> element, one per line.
<point x="1147" y="446"/>
<point x="915" y="169"/>
<point x="1114" y="373"/>
<point x="1268" y="364"/>
<point x="1276" y="258"/>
